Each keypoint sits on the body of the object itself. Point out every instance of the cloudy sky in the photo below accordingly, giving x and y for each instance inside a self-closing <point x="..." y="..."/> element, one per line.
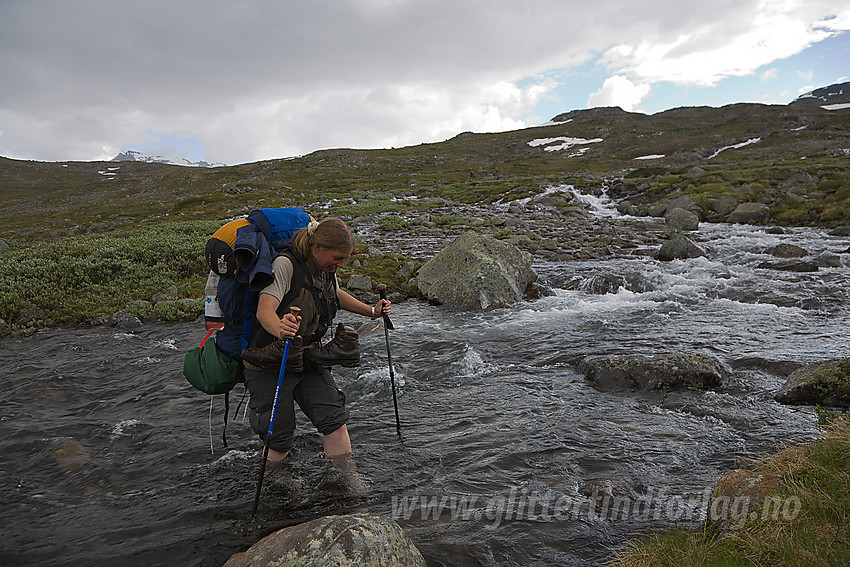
<point x="240" y="81"/>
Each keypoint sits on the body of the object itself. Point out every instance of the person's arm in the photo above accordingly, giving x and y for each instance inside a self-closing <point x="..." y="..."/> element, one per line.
<point x="351" y="303"/>
<point x="283" y="328"/>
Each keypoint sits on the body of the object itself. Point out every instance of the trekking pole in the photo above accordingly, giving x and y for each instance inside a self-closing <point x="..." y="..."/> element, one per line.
<point x="294" y="311"/>
<point x="382" y="290"/>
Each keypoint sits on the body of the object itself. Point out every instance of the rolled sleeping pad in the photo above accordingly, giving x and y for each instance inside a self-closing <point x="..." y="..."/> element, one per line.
<point x="219" y="249"/>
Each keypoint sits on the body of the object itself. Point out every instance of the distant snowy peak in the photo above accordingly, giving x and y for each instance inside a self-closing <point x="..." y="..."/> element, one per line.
<point x="132" y="155"/>
<point x="833" y="94"/>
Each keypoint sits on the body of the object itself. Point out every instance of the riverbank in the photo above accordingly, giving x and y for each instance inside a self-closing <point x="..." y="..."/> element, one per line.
<point x="808" y="524"/>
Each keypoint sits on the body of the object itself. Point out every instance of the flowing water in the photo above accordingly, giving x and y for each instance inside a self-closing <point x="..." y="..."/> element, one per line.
<point x="507" y="452"/>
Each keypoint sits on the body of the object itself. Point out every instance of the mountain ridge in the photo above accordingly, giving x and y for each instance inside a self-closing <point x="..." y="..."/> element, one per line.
<point x="133" y="155"/>
<point x="749" y="151"/>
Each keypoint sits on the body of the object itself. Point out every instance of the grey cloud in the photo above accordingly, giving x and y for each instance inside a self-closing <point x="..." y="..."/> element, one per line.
<point x="82" y="75"/>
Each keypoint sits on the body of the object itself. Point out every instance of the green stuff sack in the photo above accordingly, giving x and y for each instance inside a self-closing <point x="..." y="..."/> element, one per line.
<point x="210" y="370"/>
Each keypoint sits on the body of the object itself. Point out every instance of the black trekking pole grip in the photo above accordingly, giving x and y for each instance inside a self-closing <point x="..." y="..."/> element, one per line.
<point x="382" y="291"/>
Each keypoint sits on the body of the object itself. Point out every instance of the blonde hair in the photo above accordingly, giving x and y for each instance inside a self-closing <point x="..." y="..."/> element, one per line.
<point x="331" y="233"/>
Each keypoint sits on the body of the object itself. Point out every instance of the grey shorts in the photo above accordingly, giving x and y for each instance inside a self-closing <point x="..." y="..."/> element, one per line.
<point x="313" y="390"/>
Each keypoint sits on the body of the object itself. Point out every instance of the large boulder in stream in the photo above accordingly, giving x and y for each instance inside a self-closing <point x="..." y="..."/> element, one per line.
<point x="356" y="540"/>
<point x="823" y="383"/>
<point x="657" y="372"/>
<point x="477" y="273"/>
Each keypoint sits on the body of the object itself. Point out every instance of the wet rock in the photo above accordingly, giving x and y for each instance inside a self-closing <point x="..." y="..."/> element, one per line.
<point x="828" y="260"/>
<point x="775" y="230"/>
<point x="659" y="372"/>
<point x="790" y="265"/>
<point x="785" y="250"/>
<point x="680" y="219"/>
<point x="840" y="231"/>
<point x="825" y="383"/>
<point x="360" y="540"/>
<point x="679" y="247"/>
<point x="359" y="282"/>
<point x="781" y="367"/>
<point x="748" y="213"/>
<point x="600" y="284"/>
<point x="124" y="320"/>
<point x="476" y="273"/>
<point x="740" y="495"/>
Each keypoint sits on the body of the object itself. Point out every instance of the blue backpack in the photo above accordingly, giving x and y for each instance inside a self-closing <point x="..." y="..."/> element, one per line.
<point x="217" y="371"/>
<point x="237" y="300"/>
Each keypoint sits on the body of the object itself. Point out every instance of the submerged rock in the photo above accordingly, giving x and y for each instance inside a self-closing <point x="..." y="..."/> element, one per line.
<point x="786" y="250"/>
<point x="826" y="383"/>
<point x="360" y="540"/>
<point x="658" y="372"/>
<point x="477" y="273"/>
<point x="790" y="265"/>
<point x="600" y="284"/>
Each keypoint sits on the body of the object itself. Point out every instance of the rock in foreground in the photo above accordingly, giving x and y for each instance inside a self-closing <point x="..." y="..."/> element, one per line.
<point x="659" y="372"/>
<point x="476" y="273"/>
<point x="360" y="540"/>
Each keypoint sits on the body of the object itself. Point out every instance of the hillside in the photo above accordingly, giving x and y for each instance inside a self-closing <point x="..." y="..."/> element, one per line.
<point x="792" y="157"/>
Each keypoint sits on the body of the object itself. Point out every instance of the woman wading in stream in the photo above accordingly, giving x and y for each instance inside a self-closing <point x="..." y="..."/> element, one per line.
<point x="305" y="278"/>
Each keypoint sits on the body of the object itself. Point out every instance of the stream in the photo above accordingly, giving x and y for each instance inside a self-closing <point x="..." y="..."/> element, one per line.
<point x="109" y="457"/>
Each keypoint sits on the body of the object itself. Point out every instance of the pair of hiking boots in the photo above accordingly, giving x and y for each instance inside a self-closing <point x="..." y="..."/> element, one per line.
<point x="344" y="350"/>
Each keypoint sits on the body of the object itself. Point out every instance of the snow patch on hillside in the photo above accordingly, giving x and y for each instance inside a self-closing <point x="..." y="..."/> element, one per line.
<point x="565" y="143"/>
<point x="735" y="146"/>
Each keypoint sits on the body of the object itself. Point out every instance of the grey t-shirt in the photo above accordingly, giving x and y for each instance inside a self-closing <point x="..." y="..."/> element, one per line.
<point x="282" y="267"/>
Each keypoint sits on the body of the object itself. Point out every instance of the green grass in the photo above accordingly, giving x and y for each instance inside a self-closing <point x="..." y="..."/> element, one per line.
<point x="818" y="475"/>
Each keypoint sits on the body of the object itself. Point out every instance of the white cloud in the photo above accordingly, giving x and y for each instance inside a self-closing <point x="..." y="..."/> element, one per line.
<point x="769" y="74"/>
<point x="619" y="91"/>
<point x="705" y="53"/>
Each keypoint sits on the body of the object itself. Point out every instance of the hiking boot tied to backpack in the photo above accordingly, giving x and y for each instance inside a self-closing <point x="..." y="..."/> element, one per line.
<point x="270" y="356"/>
<point x="344" y="349"/>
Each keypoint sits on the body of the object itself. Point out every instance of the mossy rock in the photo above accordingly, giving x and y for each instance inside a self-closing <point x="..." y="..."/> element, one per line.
<point x="355" y="540"/>
<point x="821" y="383"/>
<point x="476" y="272"/>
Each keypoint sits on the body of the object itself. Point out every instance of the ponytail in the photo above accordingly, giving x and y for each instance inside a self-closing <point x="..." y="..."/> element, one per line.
<point x="331" y="233"/>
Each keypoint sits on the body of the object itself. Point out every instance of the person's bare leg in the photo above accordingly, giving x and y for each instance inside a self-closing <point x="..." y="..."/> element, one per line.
<point x="338" y="451"/>
<point x="337" y="443"/>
